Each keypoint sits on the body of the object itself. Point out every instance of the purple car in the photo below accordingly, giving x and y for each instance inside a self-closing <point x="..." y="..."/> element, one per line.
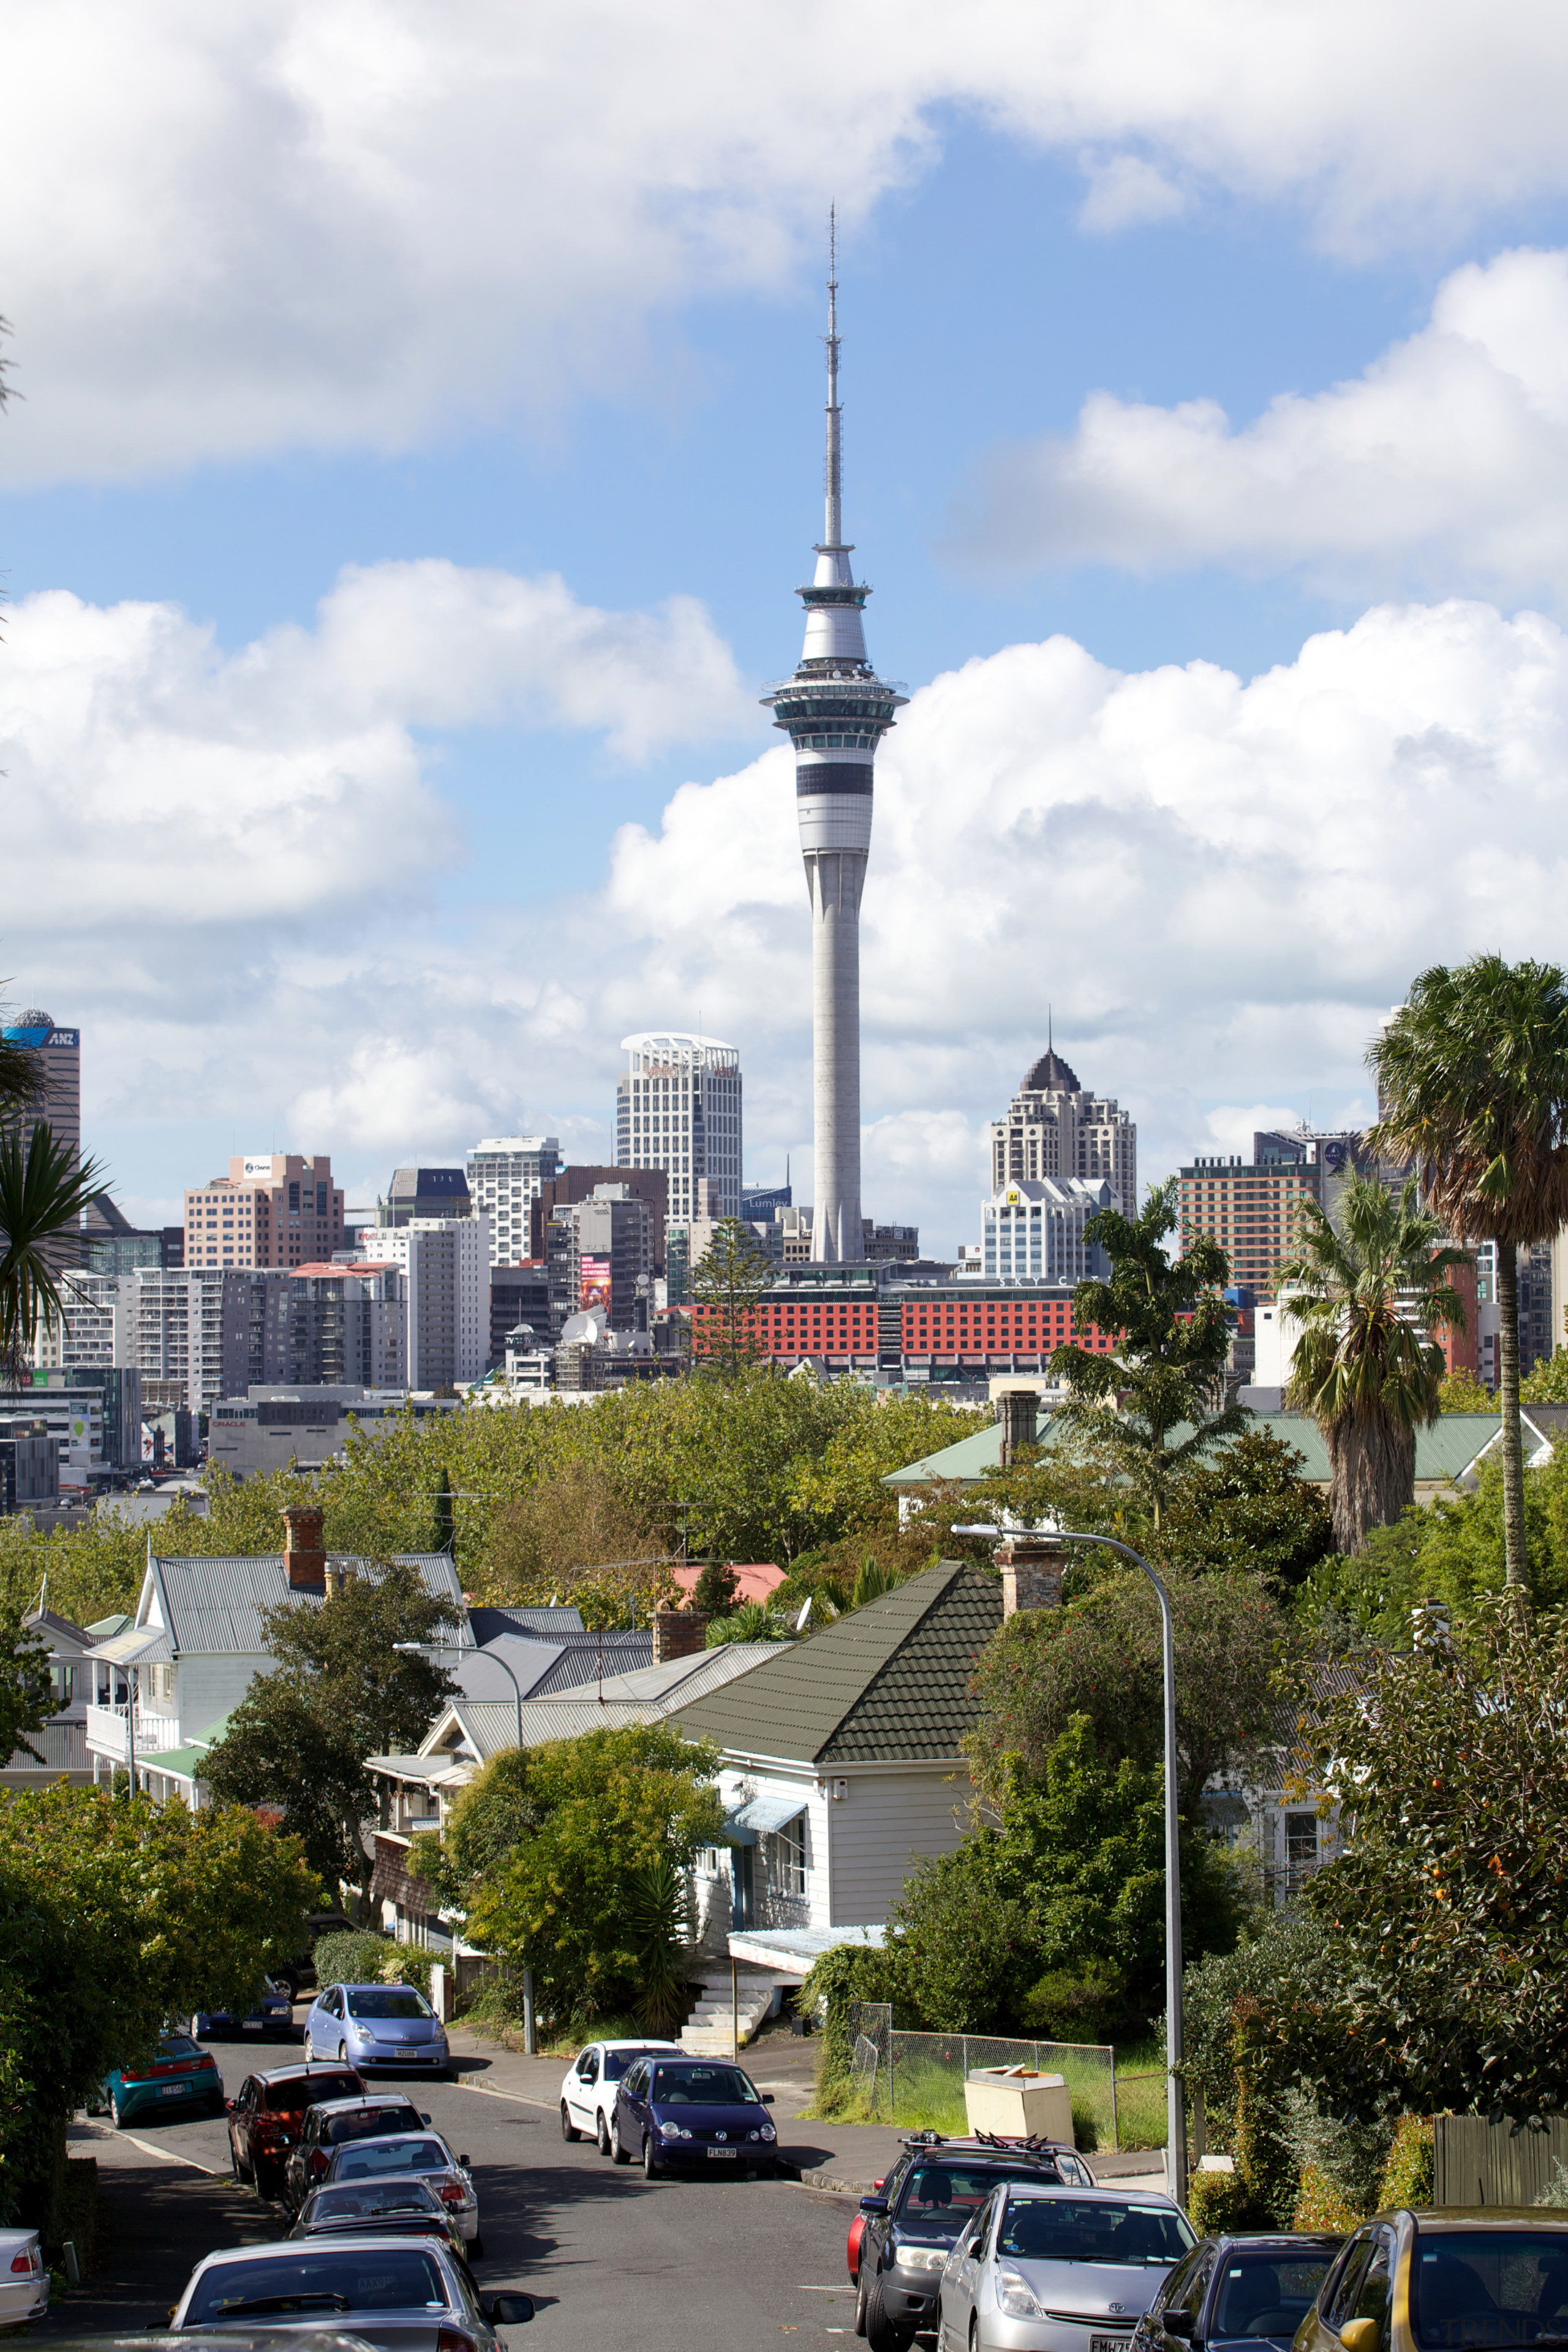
<point x="692" y="2114"/>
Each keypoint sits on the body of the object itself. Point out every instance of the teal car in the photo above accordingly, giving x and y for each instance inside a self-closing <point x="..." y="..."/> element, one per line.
<point x="182" y="2078"/>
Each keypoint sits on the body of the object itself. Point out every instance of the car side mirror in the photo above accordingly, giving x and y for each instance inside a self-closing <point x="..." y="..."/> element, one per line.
<point x="228" y="2105"/>
<point x="463" y="2160"/>
<point x="873" y="2204"/>
<point x="512" y="2311"/>
<point x="767" y="2098"/>
<point x="1359" y="2336"/>
<point x="424" y="2119"/>
<point x="1178" y="2322"/>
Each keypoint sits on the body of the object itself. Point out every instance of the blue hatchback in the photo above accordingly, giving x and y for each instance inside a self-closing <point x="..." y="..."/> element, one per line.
<point x="692" y="2114"/>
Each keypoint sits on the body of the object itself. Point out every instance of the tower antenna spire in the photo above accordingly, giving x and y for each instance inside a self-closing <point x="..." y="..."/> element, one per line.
<point x="835" y="532"/>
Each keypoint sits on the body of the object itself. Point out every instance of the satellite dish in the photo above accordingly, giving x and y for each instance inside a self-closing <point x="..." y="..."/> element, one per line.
<point x="800" y="1620"/>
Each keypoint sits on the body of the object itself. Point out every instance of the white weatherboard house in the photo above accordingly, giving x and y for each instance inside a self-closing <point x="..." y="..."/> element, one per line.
<point x="198" y="1642"/>
<point x="842" y="1759"/>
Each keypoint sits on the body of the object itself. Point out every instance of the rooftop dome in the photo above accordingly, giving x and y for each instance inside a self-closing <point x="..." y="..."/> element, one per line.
<point x="1050" y="1071"/>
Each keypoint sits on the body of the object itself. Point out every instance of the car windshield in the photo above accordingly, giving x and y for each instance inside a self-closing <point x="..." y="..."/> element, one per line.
<point x="392" y="2155"/>
<point x="371" y="2199"/>
<point x="179" y="2045"/>
<point x="371" y="2122"/>
<point x="1491" y="2286"/>
<point x="939" y="2199"/>
<point x="1266" y="2294"/>
<point x="387" y="2001"/>
<point x="307" y="2091"/>
<point x="703" y="2086"/>
<point x="328" y="2278"/>
<point x="1063" y="2229"/>
<point x="617" y="2061"/>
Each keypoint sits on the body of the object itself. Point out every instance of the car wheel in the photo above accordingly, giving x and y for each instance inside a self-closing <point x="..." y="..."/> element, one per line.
<point x="343" y="2054"/>
<point x="568" y="2128"/>
<point x="882" y="2333"/>
<point x="618" y="2155"/>
<point x="602" y="2133"/>
<point x="860" y="2306"/>
<point x="309" y="2051"/>
<point x="476" y="2247"/>
<point x="650" y="2163"/>
<point x="117" y="2110"/>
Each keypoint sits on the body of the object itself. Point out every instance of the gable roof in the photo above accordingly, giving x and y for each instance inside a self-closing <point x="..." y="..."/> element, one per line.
<point x="884" y="1683"/>
<point x="546" y="1622"/>
<point x="541" y="1668"/>
<point x="210" y="1604"/>
<point x="488" y="1725"/>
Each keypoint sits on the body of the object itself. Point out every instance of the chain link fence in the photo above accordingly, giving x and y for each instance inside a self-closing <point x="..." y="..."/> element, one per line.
<point x="917" y="2079"/>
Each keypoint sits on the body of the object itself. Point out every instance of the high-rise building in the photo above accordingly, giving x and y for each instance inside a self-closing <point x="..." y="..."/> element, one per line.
<point x="111" y="1244"/>
<point x="447" y="1260"/>
<point x="1250" y="1210"/>
<point x="1054" y="1128"/>
<point x="59" y="1052"/>
<point x="581" y="1181"/>
<point x="835" y="710"/>
<point x="276" y="1210"/>
<point x="424" y="1193"/>
<point x="506" y="1175"/>
<point x="678" y="1108"/>
<point x="1033" y="1231"/>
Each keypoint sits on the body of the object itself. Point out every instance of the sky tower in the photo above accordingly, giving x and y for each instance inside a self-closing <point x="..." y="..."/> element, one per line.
<point x="835" y="710"/>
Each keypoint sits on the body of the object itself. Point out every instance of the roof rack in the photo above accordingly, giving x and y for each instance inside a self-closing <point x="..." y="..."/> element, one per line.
<point x="1036" y="2145"/>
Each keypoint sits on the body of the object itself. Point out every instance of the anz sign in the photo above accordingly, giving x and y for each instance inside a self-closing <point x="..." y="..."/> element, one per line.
<point x="65" y="1037"/>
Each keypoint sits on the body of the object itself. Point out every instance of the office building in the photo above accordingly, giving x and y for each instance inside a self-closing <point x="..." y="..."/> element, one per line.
<point x="111" y="1244"/>
<point x="679" y="1109"/>
<point x="599" y="1252"/>
<point x="281" y="1209"/>
<point x="520" y="1295"/>
<point x="835" y="710"/>
<point x="1250" y="1208"/>
<point x="275" y="1428"/>
<point x="1034" y="1232"/>
<point x="447" y="1262"/>
<point x="424" y="1193"/>
<point x="59" y="1054"/>
<point x="30" y="1462"/>
<point x="506" y="1175"/>
<point x="579" y="1183"/>
<point x="760" y="1205"/>
<point x="1054" y="1128"/>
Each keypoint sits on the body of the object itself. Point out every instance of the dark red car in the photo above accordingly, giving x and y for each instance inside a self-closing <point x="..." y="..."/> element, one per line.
<point x="265" y="2116"/>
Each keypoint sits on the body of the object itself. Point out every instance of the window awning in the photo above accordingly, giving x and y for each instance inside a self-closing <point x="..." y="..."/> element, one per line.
<point x="760" y="1815"/>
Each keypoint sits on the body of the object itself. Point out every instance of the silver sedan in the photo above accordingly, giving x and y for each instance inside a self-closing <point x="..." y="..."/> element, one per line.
<point x="1043" y="2268"/>
<point x="398" y="2295"/>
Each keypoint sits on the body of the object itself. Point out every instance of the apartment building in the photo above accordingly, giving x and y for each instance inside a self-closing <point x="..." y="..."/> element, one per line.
<point x="280" y="1209"/>
<point x="506" y="1175"/>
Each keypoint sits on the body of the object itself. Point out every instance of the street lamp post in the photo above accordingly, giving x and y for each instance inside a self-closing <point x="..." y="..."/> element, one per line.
<point x="1175" y="2108"/>
<point x="530" y="2036"/>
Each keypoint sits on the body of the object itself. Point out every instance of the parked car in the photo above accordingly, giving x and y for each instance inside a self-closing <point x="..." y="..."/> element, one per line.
<point x="1251" y="2289"/>
<point x="691" y="2114"/>
<point x="181" y="2077"/>
<point x="1041" y="2269"/>
<point x="1466" y="2274"/>
<point x="328" y="2124"/>
<point x="403" y="2205"/>
<point x="377" y="2025"/>
<point x="267" y="2115"/>
<point x="401" y="2295"/>
<point x="907" y="2210"/>
<point x="299" y="1973"/>
<point x="273" y="2014"/>
<point x="23" y="2281"/>
<point x="431" y="2157"/>
<point x="588" y="2094"/>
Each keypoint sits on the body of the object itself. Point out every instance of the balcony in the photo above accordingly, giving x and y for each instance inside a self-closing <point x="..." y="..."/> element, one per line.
<point x="105" y="1728"/>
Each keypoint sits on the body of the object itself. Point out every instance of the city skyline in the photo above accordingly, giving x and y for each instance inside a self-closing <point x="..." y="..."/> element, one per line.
<point x="380" y="725"/>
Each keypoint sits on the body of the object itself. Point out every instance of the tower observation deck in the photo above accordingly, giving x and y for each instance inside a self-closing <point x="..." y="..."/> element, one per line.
<point x="835" y="710"/>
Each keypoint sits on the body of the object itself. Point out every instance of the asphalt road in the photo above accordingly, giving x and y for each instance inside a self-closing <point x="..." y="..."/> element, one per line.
<point x="611" y="2259"/>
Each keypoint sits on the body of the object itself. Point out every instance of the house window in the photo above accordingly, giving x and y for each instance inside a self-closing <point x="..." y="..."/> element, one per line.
<point x="786" y="1858"/>
<point x="1301" y="1850"/>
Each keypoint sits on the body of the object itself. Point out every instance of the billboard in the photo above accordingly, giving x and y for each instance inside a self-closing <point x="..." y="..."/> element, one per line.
<point x="593" y="1284"/>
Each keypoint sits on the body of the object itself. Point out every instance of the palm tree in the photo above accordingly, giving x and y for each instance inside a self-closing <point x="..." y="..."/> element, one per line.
<point x="43" y="1192"/>
<point x="1472" y="1078"/>
<point x="1369" y="1294"/>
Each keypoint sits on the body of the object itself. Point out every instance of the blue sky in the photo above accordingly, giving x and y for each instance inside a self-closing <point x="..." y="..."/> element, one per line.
<point x="369" y="881"/>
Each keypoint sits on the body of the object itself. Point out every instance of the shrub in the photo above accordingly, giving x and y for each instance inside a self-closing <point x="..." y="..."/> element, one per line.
<point x="1218" y="2202"/>
<point x="1408" y="2177"/>
<point x="1320" y="2205"/>
<point x="1346" y="2157"/>
<point x="353" y="1956"/>
<point x="848" y="1974"/>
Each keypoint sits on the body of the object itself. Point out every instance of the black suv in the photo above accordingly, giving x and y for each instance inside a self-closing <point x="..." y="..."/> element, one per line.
<point x="909" y="2227"/>
<point x="328" y="2125"/>
<point x="1253" y="2289"/>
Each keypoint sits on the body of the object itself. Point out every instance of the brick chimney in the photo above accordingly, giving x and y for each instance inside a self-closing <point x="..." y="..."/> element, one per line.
<point x="678" y="1634"/>
<point x="1031" y="1568"/>
<point x="303" y="1559"/>
<point x="1019" y="1416"/>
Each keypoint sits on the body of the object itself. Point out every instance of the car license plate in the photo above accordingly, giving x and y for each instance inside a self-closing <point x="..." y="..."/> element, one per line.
<point x="1110" y="2344"/>
<point x="723" y="2152"/>
<point x="173" y="2090"/>
<point x="252" y="2025"/>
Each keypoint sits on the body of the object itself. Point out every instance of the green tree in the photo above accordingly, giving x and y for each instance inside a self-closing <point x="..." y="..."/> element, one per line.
<point x="445" y="1531"/>
<point x="1100" y="1658"/>
<point x="1546" y="1382"/>
<point x="1172" y="1336"/>
<point x="1463" y="1392"/>
<point x="1370" y="1294"/>
<point x="27" y="1700"/>
<point x="1248" y="1507"/>
<point x="285" y="1744"/>
<point x="734" y="1278"/>
<point x="576" y="1898"/>
<point x="43" y="1192"/>
<point x="1472" y="1077"/>
<point x="715" y="1590"/>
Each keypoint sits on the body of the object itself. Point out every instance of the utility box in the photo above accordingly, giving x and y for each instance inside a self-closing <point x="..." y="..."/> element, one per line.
<point x="1018" y="2102"/>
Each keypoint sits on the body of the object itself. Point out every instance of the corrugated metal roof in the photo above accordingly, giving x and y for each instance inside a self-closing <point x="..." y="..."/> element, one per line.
<point x="151" y="1646"/>
<point x="214" y="1602"/>
<point x="490" y="1726"/>
<point x="579" y="1662"/>
<point x="887" y="1682"/>
<point x="547" y="1621"/>
<point x="675" y="1681"/>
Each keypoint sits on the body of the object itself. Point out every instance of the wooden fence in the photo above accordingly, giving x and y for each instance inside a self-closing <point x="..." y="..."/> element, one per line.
<point x="1478" y="2163"/>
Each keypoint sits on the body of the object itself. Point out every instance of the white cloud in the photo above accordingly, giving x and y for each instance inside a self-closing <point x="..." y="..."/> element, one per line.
<point x="1445" y="464"/>
<point x="357" y="223"/>
<point x="1220" y="885"/>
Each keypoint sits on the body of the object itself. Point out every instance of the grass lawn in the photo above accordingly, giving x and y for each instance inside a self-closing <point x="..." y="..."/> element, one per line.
<point x="928" y="2093"/>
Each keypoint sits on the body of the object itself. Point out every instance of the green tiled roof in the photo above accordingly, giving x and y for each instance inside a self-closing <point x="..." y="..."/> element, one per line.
<point x="886" y="1683"/>
<point x="1443" y="1452"/>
